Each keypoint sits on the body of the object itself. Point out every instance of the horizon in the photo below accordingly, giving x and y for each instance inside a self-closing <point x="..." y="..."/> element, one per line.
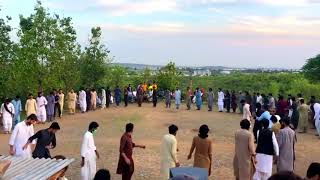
<point x="229" y="33"/>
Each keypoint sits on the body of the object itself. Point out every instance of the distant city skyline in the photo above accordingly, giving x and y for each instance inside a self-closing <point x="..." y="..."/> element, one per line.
<point x="231" y="33"/>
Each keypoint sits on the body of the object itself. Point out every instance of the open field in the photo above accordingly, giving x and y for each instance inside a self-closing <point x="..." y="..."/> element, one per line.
<point x="150" y="125"/>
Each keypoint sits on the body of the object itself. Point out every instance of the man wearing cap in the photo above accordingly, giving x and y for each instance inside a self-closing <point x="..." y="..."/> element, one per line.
<point x="20" y="135"/>
<point x="46" y="140"/>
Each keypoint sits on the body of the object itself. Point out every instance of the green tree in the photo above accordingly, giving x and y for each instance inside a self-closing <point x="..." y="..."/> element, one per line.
<point x="118" y="76"/>
<point x="146" y="75"/>
<point x="94" y="60"/>
<point x="168" y="76"/>
<point x="6" y="56"/>
<point x="312" y="68"/>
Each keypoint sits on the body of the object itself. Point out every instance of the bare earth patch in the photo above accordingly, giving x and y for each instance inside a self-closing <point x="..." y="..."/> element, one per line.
<point x="150" y="125"/>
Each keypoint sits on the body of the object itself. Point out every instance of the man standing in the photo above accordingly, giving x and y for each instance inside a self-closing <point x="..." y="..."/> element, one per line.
<point x="246" y="110"/>
<point x="126" y="96"/>
<point x="168" y="152"/>
<point x="198" y="98"/>
<point x="139" y="95"/>
<point x="108" y="93"/>
<point x="167" y="95"/>
<point x="88" y="99"/>
<point x="41" y="108"/>
<point x="20" y="135"/>
<point x="316" y="118"/>
<point x="188" y="98"/>
<point x="154" y="97"/>
<point x="303" y="123"/>
<point x="220" y="100"/>
<point x="267" y="147"/>
<point x="89" y="153"/>
<point x="272" y="102"/>
<point x="50" y="106"/>
<point x="286" y="140"/>
<point x="7" y="114"/>
<point x="125" y="163"/>
<point x="16" y="102"/>
<point x="117" y="95"/>
<point x="210" y="97"/>
<point x="83" y="100"/>
<point x="244" y="158"/>
<point x="177" y="96"/>
<point x="103" y="98"/>
<point x="72" y="98"/>
<point x="93" y="100"/>
<point x="259" y="99"/>
<point x="46" y="140"/>
<point x="61" y="101"/>
<point x="31" y="105"/>
<point x="57" y="109"/>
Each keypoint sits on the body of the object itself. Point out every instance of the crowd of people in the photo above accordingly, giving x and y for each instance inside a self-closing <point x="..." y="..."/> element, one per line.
<point x="274" y="125"/>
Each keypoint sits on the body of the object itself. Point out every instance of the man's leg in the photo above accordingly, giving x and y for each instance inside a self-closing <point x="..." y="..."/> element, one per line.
<point x="318" y="126"/>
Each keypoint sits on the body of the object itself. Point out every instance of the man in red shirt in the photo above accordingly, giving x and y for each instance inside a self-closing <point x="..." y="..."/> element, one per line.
<point x="126" y="164"/>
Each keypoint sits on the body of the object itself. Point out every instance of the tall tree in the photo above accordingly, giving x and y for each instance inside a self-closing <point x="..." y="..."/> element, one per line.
<point x="312" y="69"/>
<point x="94" y="60"/>
<point x="6" y="55"/>
<point x="168" y="76"/>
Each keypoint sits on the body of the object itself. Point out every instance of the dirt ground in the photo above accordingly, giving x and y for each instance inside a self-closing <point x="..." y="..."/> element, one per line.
<point x="150" y="125"/>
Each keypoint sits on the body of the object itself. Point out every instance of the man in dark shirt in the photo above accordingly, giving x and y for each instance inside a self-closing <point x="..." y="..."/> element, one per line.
<point x="46" y="139"/>
<point x="57" y="108"/>
<point x="126" y="164"/>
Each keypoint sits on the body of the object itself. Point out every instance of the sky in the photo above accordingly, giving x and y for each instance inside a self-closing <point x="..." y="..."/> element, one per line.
<point x="233" y="33"/>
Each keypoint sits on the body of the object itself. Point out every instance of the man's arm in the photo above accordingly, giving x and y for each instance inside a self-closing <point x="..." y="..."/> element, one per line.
<point x="192" y="148"/>
<point x="174" y="152"/>
<point x="12" y="140"/>
<point x="36" y="136"/>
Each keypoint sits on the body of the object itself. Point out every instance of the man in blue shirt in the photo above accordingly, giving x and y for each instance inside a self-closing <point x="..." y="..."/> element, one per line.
<point x="17" y="110"/>
<point x="267" y="115"/>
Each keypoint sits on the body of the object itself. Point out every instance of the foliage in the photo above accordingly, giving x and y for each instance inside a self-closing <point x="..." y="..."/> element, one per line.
<point x="94" y="60"/>
<point x="312" y="68"/>
<point x="168" y="76"/>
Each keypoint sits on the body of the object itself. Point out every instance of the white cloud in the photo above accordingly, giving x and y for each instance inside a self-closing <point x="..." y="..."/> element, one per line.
<point x="125" y="7"/>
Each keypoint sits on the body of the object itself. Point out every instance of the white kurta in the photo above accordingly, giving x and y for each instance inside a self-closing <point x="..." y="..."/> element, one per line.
<point x="103" y="98"/>
<point x="83" y="100"/>
<point x="7" y="117"/>
<point x="88" y="149"/>
<point x="316" y="107"/>
<point x="264" y="161"/>
<point x="246" y="112"/>
<point x="168" y="155"/>
<point x="19" y="137"/>
<point x="41" y="108"/>
<point x="220" y="100"/>
<point x="259" y="99"/>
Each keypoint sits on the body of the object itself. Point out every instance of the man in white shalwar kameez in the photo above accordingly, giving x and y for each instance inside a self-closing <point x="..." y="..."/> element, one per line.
<point x="20" y="135"/>
<point x="168" y="152"/>
<point x="7" y="114"/>
<point x="103" y="98"/>
<point x="41" y="108"/>
<point x="316" y="117"/>
<point x="89" y="153"/>
<point x="267" y="147"/>
<point x="83" y="100"/>
<point x="220" y="100"/>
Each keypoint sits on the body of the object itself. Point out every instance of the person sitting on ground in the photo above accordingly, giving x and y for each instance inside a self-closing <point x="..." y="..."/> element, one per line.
<point x="102" y="174"/>
<point x="313" y="172"/>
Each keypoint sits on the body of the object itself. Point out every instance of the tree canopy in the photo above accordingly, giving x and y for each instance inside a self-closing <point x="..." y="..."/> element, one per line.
<point x="312" y="69"/>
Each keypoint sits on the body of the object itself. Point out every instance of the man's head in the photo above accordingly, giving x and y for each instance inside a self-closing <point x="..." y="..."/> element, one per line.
<point x="30" y="96"/>
<point x="54" y="127"/>
<point x="243" y="102"/>
<point x="210" y="89"/>
<point x="245" y="124"/>
<point x="62" y="172"/>
<point x="301" y="101"/>
<point x="102" y="174"/>
<point x="31" y="120"/>
<point x="220" y="89"/>
<point x="270" y="94"/>
<point x="285" y="175"/>
<point x="313" y="172"/>
<point x="285" y="122"/>
<point x="258" y="94"/>
<point x="173" y="129"/>
<point x="274" y="119"/>
<point x="39" y="94"/>
<point x="17" y="97"/>
<point x="72" y="91"/>
<point x="272" y="111"/>
<point x="265" y="123"/>
<point x="60" y="91"/>
<point x="93" y="126"/>
<point x="129" y="128"/>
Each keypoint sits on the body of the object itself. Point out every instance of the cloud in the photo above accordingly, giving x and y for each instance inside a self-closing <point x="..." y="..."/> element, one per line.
<point x="125" y="7"/>
<point x="156" y="27"/>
